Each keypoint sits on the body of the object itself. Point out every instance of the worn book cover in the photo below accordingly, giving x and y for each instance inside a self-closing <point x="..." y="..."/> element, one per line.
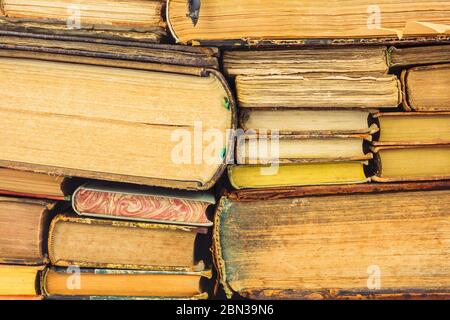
<point x="111" y="244"/>
<point x="146" y="118"/>
<point x="372" y="241"/>
<point x="108" y="284"/>
<point x="23" y="230"/>
<point x="102" y="19"/>
<point x="296" y="22"/>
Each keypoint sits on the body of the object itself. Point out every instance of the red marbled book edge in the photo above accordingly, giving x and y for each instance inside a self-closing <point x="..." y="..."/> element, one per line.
<point x="129" y="205"/>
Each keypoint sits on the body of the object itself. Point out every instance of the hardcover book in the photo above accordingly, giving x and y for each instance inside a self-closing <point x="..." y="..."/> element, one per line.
<point x="411" y="162"/>
<point x="23" y="230"/>
<point x="31" y="184"/>
<point x="426" y="88"/>
<point x="335" y="242"/>
<point x="113" y="119"/>
<point x="416" y="56"/>
<point x="311" y="61"/>
<point x="143" y="204"/>
<point x="20" y="282"/>
<point x="132" y="19"/>
<point x="307" y="121"/>
<point x="331" y="91"/>
<point x="297" y="174"/>
<point x="279" y="22"/>
<point x="254" y="149"/>
<point x="147" y="56"/>
<point x="413" y="128"/>
<point x="123" y="284"/>
<point x="109" y="244"/>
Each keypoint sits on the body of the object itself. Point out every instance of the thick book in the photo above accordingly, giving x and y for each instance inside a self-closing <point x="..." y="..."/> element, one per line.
<point x="426" y="88"/>
<point x="412" y="128"/>
<point x="92" y="284"/>
<point x="312" y="61"/>
<point x="280" y="22"/>
<point x="335" y="242"/>
<point x="114" y="119"/>
<point x="20" y="282"/>
<point x="418" y="55"/>
<point x="109" y="244"/>
<point x="143" y="204"/>
<point x="307" y="121"/>
<point x="133" y="19"/>
<point x="411" y="162"/>
<point x="23" y="230"/>
<point x="297" y="174"/>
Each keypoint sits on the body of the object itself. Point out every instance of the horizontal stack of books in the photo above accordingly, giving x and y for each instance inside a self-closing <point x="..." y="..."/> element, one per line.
<point x="323" y="129"/>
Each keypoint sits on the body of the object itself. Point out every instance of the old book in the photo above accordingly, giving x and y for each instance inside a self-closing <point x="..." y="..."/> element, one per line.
<point x="112" y="119"/>
<point x="31" y="184"/>
<point x="426" y="88"/>
<point x="281" y="22"/>
<point x="132" y="19"/>
<point x="409" y="128"/>
<point x="23" y="230"/>
<point x="321" y="92"/>
<point x="362" y="243"/>
<point x="270" y="149"/>
<point x="419" y="55"/>
<point x="315" y="61"/>
<point x="412" y="163"/>
<point x="19" y="282"/>
<point x="143" y="204"/>
<point x="101" y="243"/>
<point x="297" y="174"/>
<point x="301" y="121"/>
<point x="117" y="284"/>
<point x="144" y="55"/>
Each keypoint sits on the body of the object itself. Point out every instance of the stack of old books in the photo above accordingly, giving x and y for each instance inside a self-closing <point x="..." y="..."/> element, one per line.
<point x="104" y="103"/>
<point x="114" y="138"/>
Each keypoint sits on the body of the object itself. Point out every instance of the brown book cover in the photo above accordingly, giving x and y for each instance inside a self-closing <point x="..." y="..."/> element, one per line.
<point x="23" y="230"/>
<point x="110" y="244"/>
<point x="146" y="128"/>
<point x="335" y="242"/>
